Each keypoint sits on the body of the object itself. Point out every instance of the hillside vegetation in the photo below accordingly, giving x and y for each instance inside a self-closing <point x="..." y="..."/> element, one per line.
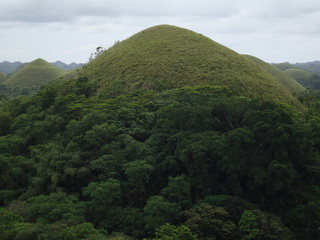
<point x="288" y="82"/>
<point x="3" y="77"/>
<point x="309" y="80"/>
<point x="164" y="57"/>
<point x="283" y="66"/>
<point x="37" y="73"/>
<point x="298" y="74"/>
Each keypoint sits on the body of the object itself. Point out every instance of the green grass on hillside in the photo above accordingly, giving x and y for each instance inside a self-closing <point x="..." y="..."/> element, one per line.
<point x="298" y="74"/>
<point x="3" y="77"/>
<point x="17" y="69"/>
<point x="164" y="57"/>
<point x="36" y="73"/>
<point x="71" y="73"/>
<point x="283" y="66"/>
<point x="288" y="82"/>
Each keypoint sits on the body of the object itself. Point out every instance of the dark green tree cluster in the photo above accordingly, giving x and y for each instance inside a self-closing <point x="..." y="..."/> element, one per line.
<point x="187" y="163"/>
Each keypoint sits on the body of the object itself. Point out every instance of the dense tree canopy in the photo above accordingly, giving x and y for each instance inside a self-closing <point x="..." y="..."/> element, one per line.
<point x="188" y="163"/>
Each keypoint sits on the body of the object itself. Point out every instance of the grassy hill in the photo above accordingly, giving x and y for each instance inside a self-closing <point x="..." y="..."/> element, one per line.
<point x="3" y="77"/>
<point x="36" y="73"/>
<point x="165" y="56"/>
<point x="283" y="66"/>
<point x="21" y="66"/>
<point x="288" y="82"/>
<point x="307" y="79"/>
<point x="298" y="74"/>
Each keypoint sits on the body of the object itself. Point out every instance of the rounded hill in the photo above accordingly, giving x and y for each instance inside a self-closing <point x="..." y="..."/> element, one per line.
<point x="298" y="74"/>
<point x="287" y="81"/>
<point x="36" y="73"/>
<point x="165" y="56"/>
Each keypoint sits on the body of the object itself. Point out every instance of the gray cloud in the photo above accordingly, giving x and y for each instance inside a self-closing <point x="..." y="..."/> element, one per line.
<point x="70" y="30"/>
<point x="60" y="11"/>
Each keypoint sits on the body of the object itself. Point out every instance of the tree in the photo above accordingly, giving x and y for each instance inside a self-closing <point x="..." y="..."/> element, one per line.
<point x="255" y="224"/>
<point x="179" y="191"/>
<point x="158" y="211"/>
<point x="171" y="232"/>
<point x="138" y="173"/>
<point x="5" y="122"/>
<point x="207" y="221"/>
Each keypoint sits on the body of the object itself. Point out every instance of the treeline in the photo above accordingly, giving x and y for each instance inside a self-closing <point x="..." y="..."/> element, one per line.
<point x="7" y="92"/>
<point x="187" y="163"/>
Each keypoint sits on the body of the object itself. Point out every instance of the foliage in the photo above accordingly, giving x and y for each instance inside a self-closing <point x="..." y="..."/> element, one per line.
<point x="171" y="232"/>
<point x="207" y="221"/>
<point x="258" y="225"/>
<point x="191" y="161"/>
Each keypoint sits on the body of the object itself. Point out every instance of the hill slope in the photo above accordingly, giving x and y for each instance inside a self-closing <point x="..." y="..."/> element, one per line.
<point x="3" y="77"/>
<point x="164" y="57"/>
<point x="288" y="82"/>
<point x="36" y="73"/>
<point x="298" y="74"/>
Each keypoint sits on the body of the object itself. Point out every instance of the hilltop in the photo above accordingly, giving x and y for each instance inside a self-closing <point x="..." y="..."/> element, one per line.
<point x="66" y="67"/>
<point x="164" y="57"/>
<point x="36" y="73"/>
<point x="12" y="67"/>
<point x="286" y="80"/>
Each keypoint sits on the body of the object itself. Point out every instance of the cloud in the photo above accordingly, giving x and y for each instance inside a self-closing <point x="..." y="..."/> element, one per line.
<point x="45" y="28"/>
<point x="64" y="11"/>
<point x="278" y="9"/>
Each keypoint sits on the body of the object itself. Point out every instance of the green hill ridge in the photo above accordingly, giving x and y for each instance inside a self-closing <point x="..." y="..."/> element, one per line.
<point x="286" y="80"/>
<point x="165" y="56"/>
<point x="36" y="73"/>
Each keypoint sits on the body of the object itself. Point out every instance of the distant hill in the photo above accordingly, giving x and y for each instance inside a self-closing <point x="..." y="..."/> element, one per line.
<point x="12" y="67"/>
<point x="287" y="81"/>
<point x="36" y="73"/>
<point x="307" y="79"/>
<point x="283" y="66"/>
<point x="313" y="67"/>
<point x="298" y="74"/>
<point x="65" y="66"/>
<point x="164" y="57"/>
<point x="8" y="67"/>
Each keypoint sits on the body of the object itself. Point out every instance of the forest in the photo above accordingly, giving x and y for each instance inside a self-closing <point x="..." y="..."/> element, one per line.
<point x="188" y="163"/>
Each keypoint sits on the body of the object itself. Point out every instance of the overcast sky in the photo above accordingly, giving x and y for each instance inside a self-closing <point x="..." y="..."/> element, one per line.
<point x="70" y="30"/>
